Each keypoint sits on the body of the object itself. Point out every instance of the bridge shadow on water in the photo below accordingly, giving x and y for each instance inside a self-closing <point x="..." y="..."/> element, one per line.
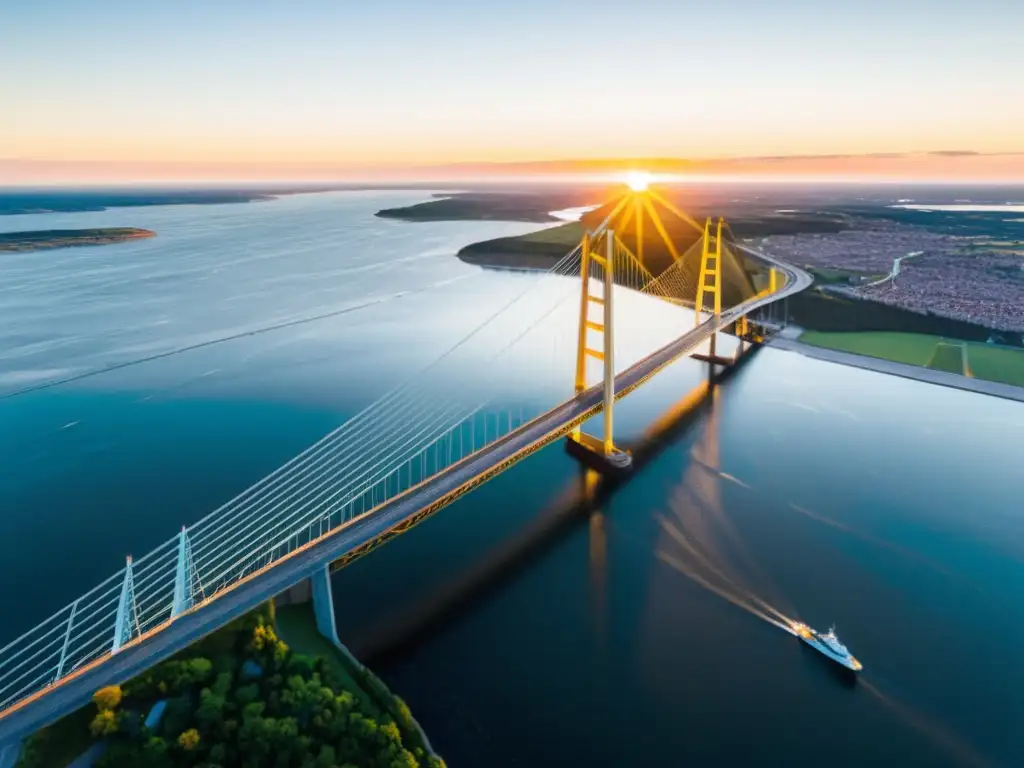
<point x="579" y="503"/>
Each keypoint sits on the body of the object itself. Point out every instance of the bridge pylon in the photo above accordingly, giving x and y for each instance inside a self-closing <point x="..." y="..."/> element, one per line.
<point x="594" y="267"/>
<point x="710" y="281"/>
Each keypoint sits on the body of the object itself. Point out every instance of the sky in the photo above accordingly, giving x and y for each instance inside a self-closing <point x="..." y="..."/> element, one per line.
<point x="298" y="87"/>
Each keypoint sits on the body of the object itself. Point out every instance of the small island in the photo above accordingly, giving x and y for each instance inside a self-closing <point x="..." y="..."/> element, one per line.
<point x="46" y="239"/>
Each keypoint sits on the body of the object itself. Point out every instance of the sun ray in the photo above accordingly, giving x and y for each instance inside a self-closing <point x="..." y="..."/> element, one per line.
<point x="638" y="208"/>
<point x="669" y="206"/>
<point x="661" y="229"/>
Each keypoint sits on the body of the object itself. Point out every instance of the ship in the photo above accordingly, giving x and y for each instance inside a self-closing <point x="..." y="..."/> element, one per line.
<point x="827" y="644"/>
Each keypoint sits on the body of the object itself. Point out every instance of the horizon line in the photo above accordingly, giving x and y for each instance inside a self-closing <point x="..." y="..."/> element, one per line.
<point x="939" y="166"/>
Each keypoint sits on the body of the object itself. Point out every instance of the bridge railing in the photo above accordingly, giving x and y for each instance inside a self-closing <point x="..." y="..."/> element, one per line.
<point x="88" y="628"/>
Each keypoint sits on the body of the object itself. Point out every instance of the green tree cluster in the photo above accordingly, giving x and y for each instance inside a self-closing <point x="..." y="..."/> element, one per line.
<point x="294" y="714"/>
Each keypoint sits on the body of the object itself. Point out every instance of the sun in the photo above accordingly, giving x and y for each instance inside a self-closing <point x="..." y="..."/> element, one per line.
<point x="638" y="181"/>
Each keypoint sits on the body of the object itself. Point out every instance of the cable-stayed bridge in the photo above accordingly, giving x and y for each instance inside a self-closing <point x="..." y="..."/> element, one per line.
<point x="416" y="449"/>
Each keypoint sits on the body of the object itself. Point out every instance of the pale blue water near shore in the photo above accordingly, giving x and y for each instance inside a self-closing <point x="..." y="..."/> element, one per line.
<point x="888" y="506"/>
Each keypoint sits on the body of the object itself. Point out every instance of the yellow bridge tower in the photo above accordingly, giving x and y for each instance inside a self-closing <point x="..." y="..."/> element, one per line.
<point x="597" y="314"/>
<point x="606" y="260"/>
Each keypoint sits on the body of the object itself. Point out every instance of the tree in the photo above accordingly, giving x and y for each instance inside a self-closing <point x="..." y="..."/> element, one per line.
<point x="326" y="758"/>
<point x="262" y="637"/>
<point x="404" y="759"/>
<point x="107" y="698"/>
<point x="253" y="710"/>
<point x="222" y="684"/>
<point x="198" y="670"/>
<point x="247" y="694"/>
<point x="390" y="733"/>
<point x="211" y="709"/>
<point x="177" y="715"/>
<point x="154" y="753"/>
<point x="104" y="724"/>
<point x="280" y="653"/>
<point x="189" y="740"/>
<point x="301" y="665"/>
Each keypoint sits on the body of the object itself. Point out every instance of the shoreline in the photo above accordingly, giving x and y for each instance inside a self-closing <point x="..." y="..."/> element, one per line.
<point x="903" y="370"/>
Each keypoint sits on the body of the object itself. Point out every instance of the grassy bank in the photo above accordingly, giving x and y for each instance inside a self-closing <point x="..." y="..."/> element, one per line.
<point x="989" y="362"/>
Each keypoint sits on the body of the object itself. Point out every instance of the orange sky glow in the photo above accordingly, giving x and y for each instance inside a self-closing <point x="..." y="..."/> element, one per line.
<point x="254" y="90"/>
<point x="955" y="166"/>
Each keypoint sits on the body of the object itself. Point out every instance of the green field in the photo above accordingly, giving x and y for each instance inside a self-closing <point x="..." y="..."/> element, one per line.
<point x="909" y="348"/>
<point x="948" y="357"/>
<point x="824" y="276"/>
<point x="1002" y="364"/>
<point x="984" y="361"/>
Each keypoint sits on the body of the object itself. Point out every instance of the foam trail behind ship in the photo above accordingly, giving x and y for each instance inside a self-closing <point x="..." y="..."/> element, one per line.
<point x="737" y="599"/>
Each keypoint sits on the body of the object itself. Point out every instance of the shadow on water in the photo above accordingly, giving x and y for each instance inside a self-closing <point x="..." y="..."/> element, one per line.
<point x="581" y="501"/>
<point x="702" y="544"/>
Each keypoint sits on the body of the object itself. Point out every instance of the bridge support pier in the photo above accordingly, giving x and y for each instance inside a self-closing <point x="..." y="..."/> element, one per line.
<point x="323" y="604"/>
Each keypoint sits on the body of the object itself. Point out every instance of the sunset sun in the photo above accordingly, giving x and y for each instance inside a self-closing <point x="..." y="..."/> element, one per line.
<point x="638" y="181"/>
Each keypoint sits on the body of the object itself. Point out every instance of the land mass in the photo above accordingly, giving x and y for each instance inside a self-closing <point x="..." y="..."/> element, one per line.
<point x="46" y="239"/>
<point x="14" y="201"/>
<point x="527" y="205"/>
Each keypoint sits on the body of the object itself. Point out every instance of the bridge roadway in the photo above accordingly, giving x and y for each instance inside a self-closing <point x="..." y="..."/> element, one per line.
<point x="76" y="688"/>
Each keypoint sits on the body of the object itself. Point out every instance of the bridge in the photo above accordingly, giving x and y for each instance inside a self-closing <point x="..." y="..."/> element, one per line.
<point x="409" y="454"/>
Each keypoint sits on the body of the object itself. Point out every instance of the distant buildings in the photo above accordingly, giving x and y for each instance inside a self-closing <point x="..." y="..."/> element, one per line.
<point x="951" y="277"/>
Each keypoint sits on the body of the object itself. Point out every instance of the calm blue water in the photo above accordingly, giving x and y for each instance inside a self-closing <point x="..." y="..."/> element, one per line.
<point x="534" y="622"/>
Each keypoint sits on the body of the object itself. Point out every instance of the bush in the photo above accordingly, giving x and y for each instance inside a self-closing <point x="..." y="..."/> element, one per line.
<point x="247" y="694"/>
<point x="177" y="715"/>
<point x="104" y="724"/>
<point x="326" y="758"/>
<point x="107" y="698"/>
<point x="301" y="665"/>
<point x="189" y="740"/>
<point x="198" y="670"/>
<point x="222" y="684"/>
<point x="211" y="709"/>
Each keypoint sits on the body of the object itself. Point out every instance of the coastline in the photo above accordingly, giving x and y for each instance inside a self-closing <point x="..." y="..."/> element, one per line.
<point x="22" y="201"/>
